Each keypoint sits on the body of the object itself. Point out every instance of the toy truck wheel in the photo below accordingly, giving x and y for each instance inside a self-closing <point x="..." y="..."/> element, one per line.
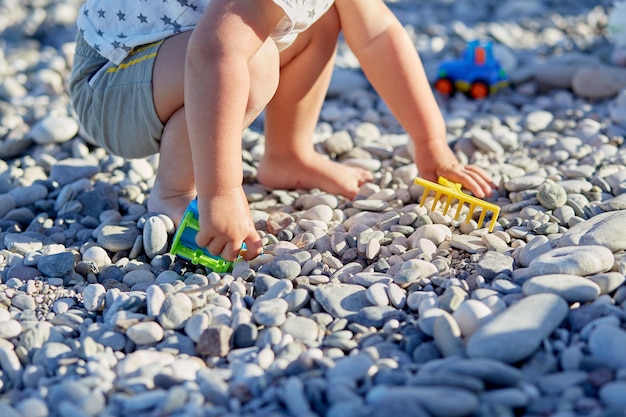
<point x="478" y="89"/>
<point x="445" y="86"/>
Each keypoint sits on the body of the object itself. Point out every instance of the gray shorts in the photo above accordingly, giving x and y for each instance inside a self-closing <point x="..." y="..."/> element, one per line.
<point x="114" y="103"/>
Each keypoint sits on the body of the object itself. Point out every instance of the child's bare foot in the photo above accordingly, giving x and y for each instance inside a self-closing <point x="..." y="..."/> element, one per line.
<point x="314" y="171"/>
<point x="169" y="203"/>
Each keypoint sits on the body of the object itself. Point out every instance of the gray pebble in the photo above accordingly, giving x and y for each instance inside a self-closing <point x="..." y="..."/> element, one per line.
<point x="10" y="329"/>
<point x="603" y="229"/>
<point x="350" y="368"/>
<point x="493" y="264"/>
<point x="271" y="312"/>
<point x="145" y="333"/>
<point x="25" y="196"/>
<point x="377" y="294"/>
<point x="460" y="402"/>
<point x="139" y="276"/>
<point x="97" y="255"/>
<point x="56" y="265"/>
<point x="69" y="170"/>
<point x="155" y="237"/>
<point x="447" y="336"/>
<point x="23" y="302"/>
<point x="34" y="407"/>
<point x="342" y="300"/>
<point x="612" y="394"/>
<point x="521" y="327"/>
<point x="93" y="297"/>
<point x="508" y="397"/>
<point x="302" y="329"/>
<point x="117" y="238"/>
<point x="605" y="344"/>
<point x="551" y="195"/>
<point x="197" y="324"/>
<point x="376" y="316"/>
<point x="571" y="287"/>
<point x="176" y="309"/>
<point x="538" y="120"/>
<point x="284" y="268"/>
<point x="54" y="130"/>
<point x="297" y="299"/>
<point x="573" y="260"/>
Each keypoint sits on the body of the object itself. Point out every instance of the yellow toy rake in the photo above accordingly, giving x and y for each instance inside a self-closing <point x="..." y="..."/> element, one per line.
<point x="452" y="192"/>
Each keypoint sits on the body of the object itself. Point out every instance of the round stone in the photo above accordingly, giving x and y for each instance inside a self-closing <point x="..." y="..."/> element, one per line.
<point x="605" y="229"/>
<point x="117" y="238"/>
<point x="270" y="312"/>
<point x="145" y="333"/>
<point x="470" y="315"/>
<point x="571" y="287"/>
<point x="573" y="260"/>
<point x="176" y="309"/>
<point x="302" y="329"/>
<point x="551" y="195"/>
<point x="518" y="331"/>
<point x="284" y="268"/>
<point x="155" y="236"/>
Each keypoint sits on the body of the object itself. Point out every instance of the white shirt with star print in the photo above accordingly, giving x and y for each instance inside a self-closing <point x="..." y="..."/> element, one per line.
<point x="115" y="27"/>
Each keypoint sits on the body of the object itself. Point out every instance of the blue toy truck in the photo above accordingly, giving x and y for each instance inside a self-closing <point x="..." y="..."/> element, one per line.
<point x="478" y="74"/>
<point x="185" y="246"/>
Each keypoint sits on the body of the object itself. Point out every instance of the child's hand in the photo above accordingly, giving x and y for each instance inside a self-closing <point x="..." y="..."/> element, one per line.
<point x="225" y="224"/>
<point x="436" y="159"/>
<point x="471" y="177"/>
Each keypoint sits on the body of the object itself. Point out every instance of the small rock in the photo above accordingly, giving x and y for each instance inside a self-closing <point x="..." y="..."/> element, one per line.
<point x="517" y="332"/>
<point x="215" y="341"/>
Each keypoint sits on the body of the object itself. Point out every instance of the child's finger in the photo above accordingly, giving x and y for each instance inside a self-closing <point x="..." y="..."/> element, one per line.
<point x="218" y="247"/>
<point x="231" y="251"/>
<point x="203" y="240"/>
<point x="254" y="248"/>
<point x="482" y="174"/>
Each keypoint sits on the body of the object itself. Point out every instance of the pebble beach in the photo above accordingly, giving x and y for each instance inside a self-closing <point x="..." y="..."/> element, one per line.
<point x="376" y="306"/>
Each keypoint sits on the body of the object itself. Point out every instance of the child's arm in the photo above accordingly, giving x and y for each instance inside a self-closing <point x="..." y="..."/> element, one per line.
<point x="217" y="86"/>
<point x="391" y="63"/>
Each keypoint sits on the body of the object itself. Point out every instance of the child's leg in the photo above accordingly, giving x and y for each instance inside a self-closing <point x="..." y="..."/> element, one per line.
<point x="290" y="161"/>
<point x="174" y="185"/>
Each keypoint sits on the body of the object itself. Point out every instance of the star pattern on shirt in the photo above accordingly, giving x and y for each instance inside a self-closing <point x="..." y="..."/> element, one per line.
<point x="115" y="27"/>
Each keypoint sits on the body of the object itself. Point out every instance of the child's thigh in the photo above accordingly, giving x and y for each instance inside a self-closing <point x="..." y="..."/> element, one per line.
<point x="168" y="75"/>
<point x="320" y="39"/>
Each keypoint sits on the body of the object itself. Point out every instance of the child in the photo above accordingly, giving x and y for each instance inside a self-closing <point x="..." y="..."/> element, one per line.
<point x="184" y="78"/>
